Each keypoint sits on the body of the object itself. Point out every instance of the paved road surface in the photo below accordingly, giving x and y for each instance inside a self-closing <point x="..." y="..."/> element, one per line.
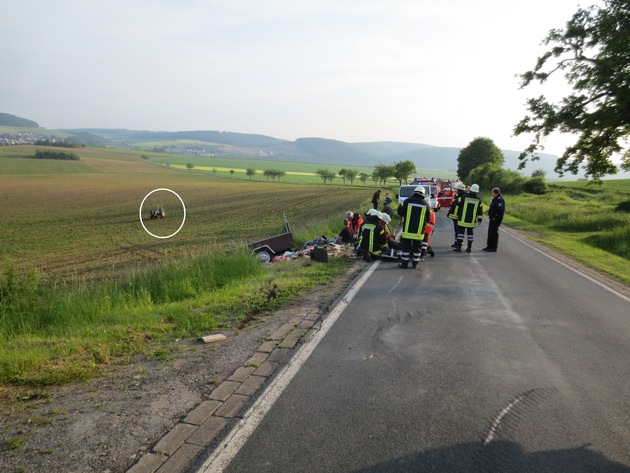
<point x="506" y="361"/>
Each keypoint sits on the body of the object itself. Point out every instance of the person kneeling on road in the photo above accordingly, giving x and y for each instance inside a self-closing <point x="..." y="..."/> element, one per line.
<point x="392" y="245"/>
<point x="372" y="238"/>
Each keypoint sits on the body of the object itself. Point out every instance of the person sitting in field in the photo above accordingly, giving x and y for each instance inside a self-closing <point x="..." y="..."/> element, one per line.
<point x="346" y="235"/>
<point x="356" y="223"/>
<point x="388" y="209"/>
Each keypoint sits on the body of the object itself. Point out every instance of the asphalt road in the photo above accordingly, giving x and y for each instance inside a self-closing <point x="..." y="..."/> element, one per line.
<point x="508" y="361"/>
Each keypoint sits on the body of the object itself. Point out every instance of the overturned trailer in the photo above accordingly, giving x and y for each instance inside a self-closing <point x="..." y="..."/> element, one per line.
<point x="266" y="249"/>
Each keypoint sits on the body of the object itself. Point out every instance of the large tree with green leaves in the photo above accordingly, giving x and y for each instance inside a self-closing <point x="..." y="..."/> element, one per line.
<point x="326" y="175"/>
<point x="351" y="175"/>
<point x="402" y="170"/>
<point x="479" y="151"/>
<point x="382" y="172"/>
<point x="593" y="53"/>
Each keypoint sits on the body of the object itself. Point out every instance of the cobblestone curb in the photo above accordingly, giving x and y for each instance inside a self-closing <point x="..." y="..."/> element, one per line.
<point x="176" y="450"/>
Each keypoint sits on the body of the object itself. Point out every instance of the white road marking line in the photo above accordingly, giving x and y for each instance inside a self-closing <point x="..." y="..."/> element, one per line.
<point x="497" y="420"/>
<point x="395" y="285"/>
<point x="234" y="441"/>
<point x="609" y="289"/>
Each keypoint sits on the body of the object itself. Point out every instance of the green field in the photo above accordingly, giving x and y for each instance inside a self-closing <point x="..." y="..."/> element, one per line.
<point x="590" y="223"/>
<point x="83" y="285"/>
<point x="296" y="172"/>
<point x="88" y="210"/>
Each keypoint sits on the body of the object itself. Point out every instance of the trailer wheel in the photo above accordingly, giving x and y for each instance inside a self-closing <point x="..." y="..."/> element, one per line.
<point x="264" y="256"/>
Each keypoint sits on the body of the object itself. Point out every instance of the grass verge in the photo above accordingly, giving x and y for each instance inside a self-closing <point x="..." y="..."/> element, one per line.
<point x="56" y="334"/>
<point x="587" y="223"/>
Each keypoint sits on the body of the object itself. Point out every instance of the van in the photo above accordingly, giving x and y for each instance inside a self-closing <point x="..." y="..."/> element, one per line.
<point x="430" y="194"/>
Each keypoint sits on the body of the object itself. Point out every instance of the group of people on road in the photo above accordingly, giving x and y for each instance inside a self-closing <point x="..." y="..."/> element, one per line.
<point x="466" y="211"/>
<point x="376" y="235"/>
<point x="373" y="235"/>
<point x="417" y="222"/>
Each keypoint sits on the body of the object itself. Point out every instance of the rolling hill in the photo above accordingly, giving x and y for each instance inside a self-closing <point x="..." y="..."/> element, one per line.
<point x="7" y="119"/>
<point x="317" y="150"/>
<point x="309" y="149"/>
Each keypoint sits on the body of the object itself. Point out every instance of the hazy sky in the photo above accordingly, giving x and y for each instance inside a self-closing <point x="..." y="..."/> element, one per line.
<point x="434" y="72"/>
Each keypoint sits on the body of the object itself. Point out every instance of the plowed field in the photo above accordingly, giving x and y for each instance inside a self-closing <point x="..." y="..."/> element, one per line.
<point x="83" y="220"/>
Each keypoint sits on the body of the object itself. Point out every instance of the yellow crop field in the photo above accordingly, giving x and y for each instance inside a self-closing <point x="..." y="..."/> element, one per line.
<point x="239" y="170"/>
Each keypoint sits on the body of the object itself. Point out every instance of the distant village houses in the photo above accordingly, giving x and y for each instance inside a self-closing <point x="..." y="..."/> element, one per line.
<point x="23" y="138"/>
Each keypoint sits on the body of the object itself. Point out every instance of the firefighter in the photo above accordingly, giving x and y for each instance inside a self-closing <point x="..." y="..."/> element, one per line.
<point x="470" y="211"/>
<point x="385" y="221"/>
<point x="415" y="214"/>
<point x="392" y="244"/>
<point x="372" y="239"/>
<point x="452" y="211"/>
<point x="426" y="242"/>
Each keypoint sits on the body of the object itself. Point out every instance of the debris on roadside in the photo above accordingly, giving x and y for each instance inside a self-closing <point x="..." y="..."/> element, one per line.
<point x="334" y="250"/>
<point x="213" y="338"/>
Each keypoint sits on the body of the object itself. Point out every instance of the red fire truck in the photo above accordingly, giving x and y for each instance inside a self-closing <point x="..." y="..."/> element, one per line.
<point x="434" y="189"/>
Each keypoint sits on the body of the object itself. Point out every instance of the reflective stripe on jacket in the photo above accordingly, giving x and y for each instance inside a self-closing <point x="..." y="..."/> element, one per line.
<point x="470" y="211"/>
<point x="415" y="221"/>
<point x="453" y="211"/>
<point x="372" y="238"/>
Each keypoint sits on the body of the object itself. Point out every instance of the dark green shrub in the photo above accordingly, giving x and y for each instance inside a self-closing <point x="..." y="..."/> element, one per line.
<point x="623" y="206"/>
<point x="535" y="185"/>
<point x="581" y="222"/>
<point x="490" y="175"/>
<point x="616" y="241"/>
<point x="63" y="155"/>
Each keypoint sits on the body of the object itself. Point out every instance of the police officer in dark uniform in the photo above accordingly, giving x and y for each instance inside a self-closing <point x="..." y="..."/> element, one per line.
<point x="495" y="215"/>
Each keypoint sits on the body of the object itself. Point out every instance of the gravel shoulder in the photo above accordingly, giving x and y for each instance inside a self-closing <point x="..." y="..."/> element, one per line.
<point x="107" y="424"/>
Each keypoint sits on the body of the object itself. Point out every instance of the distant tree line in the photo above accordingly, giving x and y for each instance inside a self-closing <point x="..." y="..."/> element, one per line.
<point x="63" y="155"/>
<point x="59" y="144"/>
<point x="481" y="163"/>
<point x="401" y="171"/>
<point x="271" y="173"/>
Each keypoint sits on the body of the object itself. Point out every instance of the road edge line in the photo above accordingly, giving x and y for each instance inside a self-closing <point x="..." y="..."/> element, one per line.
<point x="225" y="452"/>
<point x="514" y="235"/>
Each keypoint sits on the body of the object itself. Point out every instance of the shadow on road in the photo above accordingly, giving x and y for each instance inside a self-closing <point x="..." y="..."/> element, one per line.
<point x="499" y="457"/>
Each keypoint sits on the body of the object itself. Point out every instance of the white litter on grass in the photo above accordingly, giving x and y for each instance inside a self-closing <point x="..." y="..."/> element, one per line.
<point x="213" y="338"/>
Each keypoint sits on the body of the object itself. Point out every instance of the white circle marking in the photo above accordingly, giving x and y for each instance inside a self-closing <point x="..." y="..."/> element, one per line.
<point x="183" y="220"/>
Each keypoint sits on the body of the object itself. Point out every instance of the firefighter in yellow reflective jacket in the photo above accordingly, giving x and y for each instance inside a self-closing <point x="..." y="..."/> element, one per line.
<point x="415" y="214"/>
<point x="372" y="237"/>
<point x="470" y="211"/>
<point x="452" y="211"/>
